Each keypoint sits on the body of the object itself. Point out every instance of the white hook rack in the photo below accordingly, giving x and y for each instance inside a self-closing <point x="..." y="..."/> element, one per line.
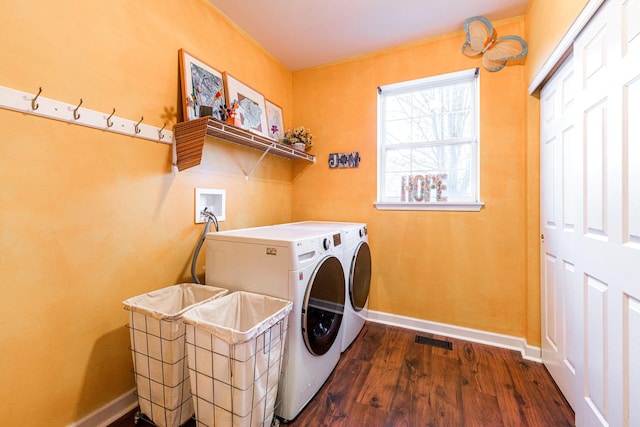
<point x="32" y="103"/>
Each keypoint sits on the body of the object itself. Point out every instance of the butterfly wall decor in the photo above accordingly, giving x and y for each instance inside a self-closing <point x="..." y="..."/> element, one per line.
<point x="481" y="40"/>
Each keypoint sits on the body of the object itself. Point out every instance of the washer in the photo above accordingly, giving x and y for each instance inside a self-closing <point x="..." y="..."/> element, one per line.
<point x="303" y="266"/>
<point x="357" y="265"/>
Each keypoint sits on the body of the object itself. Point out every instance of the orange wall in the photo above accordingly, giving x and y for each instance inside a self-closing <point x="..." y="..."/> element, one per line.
<point x="460" y="268"/>
<point x="546" y="23"/>
<point x="90" y="218"/>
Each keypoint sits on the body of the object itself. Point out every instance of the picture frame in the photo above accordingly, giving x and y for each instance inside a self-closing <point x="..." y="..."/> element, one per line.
<point x="251" y="106"/>
<point x="275" y="122"/>
<point x="201" y="86"/>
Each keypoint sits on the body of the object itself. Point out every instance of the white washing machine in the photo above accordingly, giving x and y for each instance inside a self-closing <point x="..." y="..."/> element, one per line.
<point x="303" y="266"/>
<point x="357" y="265"/>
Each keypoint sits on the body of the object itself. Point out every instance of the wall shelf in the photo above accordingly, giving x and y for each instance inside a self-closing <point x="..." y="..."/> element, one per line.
<point x="191" y="135"/>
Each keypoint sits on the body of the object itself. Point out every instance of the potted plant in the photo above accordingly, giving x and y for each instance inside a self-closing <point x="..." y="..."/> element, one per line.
<point x="300" y="138"/>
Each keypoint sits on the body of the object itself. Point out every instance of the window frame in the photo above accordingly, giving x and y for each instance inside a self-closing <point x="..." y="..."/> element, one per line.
<point x="416" y="85"/>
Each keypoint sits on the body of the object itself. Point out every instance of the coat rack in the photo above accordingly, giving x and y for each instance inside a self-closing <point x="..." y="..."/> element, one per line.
<point x="34" y="103"/>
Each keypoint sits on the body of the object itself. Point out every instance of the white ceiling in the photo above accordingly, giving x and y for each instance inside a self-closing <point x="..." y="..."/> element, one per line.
<point x="305" y="33"/>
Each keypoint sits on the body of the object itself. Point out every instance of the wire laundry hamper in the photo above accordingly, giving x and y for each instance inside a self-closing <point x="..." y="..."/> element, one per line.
<point x="158" y="349"/>
<point x="235" y="346"/>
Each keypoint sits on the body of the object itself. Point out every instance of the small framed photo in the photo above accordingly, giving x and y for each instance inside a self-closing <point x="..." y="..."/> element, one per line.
<point x="275" y="124"/>
<point x="251" y="107"/>
<point x="203" y="92"/>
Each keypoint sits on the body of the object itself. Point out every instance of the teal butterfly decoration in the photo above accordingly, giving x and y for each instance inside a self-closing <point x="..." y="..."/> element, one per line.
<point x="495" y="52"/>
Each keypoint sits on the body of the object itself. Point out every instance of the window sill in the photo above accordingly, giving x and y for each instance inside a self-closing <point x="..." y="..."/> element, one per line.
<point x="430" y="206"/>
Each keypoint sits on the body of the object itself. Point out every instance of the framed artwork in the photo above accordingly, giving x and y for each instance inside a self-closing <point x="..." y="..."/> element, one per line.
<point x="275" y="124"/>
<point x="203" y="91"/>
<point x="251" y="107"/>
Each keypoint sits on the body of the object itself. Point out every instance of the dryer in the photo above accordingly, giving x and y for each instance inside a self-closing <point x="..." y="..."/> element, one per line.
<point x="303" y="266"/>
<point x="357" y="265"/>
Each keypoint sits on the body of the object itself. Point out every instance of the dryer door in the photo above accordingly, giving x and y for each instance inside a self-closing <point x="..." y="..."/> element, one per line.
<point x="360" y="276"/>
<point x="323" y="306"/>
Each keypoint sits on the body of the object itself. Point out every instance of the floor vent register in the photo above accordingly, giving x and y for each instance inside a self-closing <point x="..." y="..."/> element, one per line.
<point x="434" y="342"/>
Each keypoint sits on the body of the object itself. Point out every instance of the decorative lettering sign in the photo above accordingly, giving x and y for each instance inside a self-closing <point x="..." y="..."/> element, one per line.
<point x="420" y="188"/>
<point x="344" y="160"/>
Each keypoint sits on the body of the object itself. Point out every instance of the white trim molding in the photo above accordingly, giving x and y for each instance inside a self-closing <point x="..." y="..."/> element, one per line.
<point x="112" y="411"/>
<point x="528" y="352"/>
<point x="436" y="206"/>
<point x="565" y="45"/>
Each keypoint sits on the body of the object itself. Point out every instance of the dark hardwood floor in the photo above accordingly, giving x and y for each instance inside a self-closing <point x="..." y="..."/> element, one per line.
<point x="387" y="379"/>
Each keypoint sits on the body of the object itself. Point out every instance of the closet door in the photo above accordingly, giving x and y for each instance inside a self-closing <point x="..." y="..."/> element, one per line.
<point x="608" y="63"/>
<point x="591" y="222"/>
<point x="561" y="221"/>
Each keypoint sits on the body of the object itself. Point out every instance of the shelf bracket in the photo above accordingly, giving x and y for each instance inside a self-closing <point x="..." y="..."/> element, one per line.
<point x="246" y="175"/>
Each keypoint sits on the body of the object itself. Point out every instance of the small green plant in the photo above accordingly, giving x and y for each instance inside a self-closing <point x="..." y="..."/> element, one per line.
<point x="300" y="134"/>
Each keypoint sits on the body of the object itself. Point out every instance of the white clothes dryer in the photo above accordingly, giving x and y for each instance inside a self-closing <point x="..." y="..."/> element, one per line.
<point x="357" y="265"/>
<point x="300" y="265"/>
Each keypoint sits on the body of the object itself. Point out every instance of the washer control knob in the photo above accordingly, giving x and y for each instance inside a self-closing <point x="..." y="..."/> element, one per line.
<point x="363" y="231"/>
<point x="326" y="244"/>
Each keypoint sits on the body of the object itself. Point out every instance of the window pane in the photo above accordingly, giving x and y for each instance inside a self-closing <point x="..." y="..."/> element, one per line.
<point x="392" y="185"/>
<point x="426" y="128"/>
<point x="426" y="102"/>
<point x="459" y="184"/>
<point x="429" y="130"/>
<point x="398" y="132"/>
<point x="398" y="161"/>
<point x="442" y="113"/>
<point x="455" y="160"/>
<point x="427" y="160"/>
<point x="455" y="125"/>
<point x="441" y="157"/>
<point x="398" y="106"/>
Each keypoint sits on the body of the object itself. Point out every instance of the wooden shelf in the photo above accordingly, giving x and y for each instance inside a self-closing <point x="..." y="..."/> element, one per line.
<point x="191" y="135"/>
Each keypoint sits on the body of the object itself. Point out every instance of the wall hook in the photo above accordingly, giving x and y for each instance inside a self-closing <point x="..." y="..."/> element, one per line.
<point x="76" y="115"/>
<point x="34" y="104"/>
<point x="109" y="122"/>
<point x="160" y="135"/>
<point x="137" y="127"/>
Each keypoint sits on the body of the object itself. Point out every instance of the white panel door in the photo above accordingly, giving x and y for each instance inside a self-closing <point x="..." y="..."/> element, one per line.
<point x="561" y="197"/>
<point x="628" y="384"/>
<point x="590" y="214"/>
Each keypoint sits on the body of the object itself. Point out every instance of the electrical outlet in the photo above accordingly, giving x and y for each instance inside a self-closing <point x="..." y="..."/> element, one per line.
<point x="213" y="200"/>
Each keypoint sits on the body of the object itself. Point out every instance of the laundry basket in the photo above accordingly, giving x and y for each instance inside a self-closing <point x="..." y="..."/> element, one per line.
<point x="234" y="348"/>
<point x="158" y="350"/>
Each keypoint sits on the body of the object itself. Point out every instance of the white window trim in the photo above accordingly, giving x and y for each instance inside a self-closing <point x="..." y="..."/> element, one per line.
<point x="430" y="206"/>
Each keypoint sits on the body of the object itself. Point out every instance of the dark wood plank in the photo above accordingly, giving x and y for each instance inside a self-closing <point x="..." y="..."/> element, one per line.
<point x="410" y="398"/>
<point x="510" y="397"/>
<point x="386" y="364"/>
<point x="334" y="401"/>
<point x="540" y="400"/>
<point x="446" y="393"/>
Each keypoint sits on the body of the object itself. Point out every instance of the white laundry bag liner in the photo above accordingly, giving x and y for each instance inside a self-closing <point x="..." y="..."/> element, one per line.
<point x="172" y="302"/>
<point x="234" y="347"/>
<point x="158" y="349"/>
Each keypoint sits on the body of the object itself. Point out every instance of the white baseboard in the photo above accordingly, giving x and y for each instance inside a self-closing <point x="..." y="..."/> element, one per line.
<point x="474" y="335"/>
<point x="110" y="412"/>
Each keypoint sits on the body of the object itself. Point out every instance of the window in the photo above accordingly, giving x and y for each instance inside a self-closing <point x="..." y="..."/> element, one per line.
<point x="428" y="143"/>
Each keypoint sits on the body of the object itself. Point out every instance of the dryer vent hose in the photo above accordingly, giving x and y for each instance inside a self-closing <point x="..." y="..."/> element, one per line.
<point x="210" y="218"/>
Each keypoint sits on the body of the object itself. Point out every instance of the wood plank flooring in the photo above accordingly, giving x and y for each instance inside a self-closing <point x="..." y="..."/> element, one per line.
<point x="387" y="379"/>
